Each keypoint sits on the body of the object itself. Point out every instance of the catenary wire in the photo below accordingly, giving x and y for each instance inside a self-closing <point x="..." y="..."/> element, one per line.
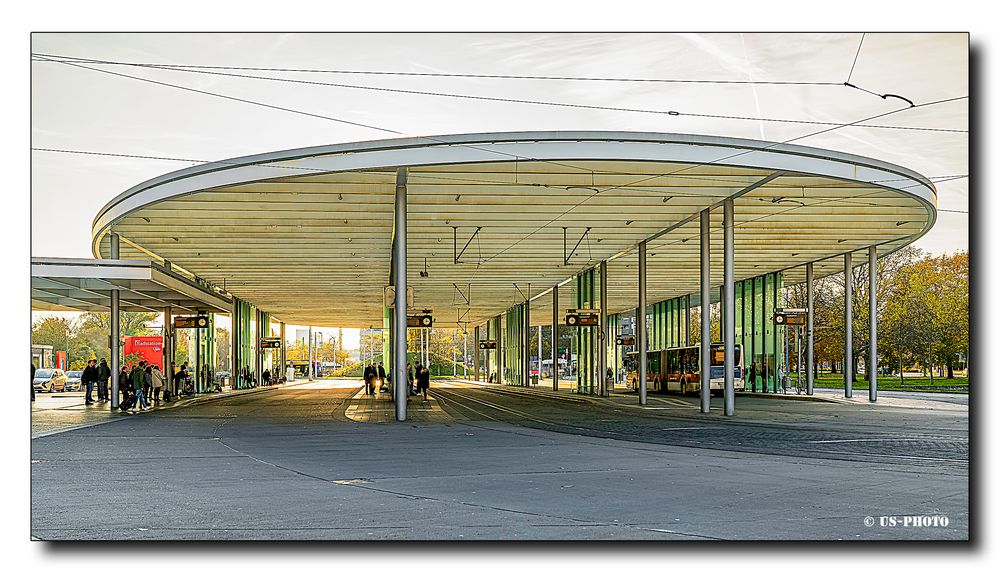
<point x="464" y="75"/>
<point x="60" y="59"/>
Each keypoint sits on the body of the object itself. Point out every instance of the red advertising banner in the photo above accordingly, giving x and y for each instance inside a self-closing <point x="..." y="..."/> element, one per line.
<point x="61" y="360"/>
<point x="148" y="348"/>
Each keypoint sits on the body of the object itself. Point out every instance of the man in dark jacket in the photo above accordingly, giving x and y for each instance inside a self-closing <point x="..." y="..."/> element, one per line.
<point x="103" y="375"/>
<point x="368" y="375"/>
<point x="381" y="376"/>
<point x="89" y="377"/>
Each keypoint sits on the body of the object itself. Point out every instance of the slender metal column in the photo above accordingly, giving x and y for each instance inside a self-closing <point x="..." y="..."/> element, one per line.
<point x="465" y="352"/>
<point x="115" y="329"/>
<point x="706" y="311"/>
<point x="539" y="353"/>
<point x="500" y="349"/>
<point x="602" y="341"/>
<point x="477" y="352"/>
<point x="729" y="307"/>
<point x="526" y="339"/>
<point x="168" y="349"/>
<point x="454" y="353"/>
<point x="555" y="338"/>
<point x="848" y="327"/>
<point x="284" y="356"/>
<point x="687" y="320"/>
<point x="640" y="323"/>
<point x="872" y="366"/>
<point x="234" y="342"/>
<point x="810" y="359"/>
<point x="310" y="353"/>
<point x="399" y="280"/>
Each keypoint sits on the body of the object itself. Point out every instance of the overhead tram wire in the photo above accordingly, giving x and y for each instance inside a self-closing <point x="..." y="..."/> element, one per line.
<point x="190" y="69"/>
<point x="309" y="114"/>
<point x="460" y="75"/>
<point x="339" y="120"/>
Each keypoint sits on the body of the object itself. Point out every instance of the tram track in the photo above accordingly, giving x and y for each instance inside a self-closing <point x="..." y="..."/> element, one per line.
<point x="947" y="453"/>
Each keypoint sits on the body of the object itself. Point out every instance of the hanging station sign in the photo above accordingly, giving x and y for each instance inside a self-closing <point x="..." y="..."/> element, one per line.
<point x="625" y="340"/>
<point x="270" y="342"/>
<point x="584" y="317"/>
<point x="420" y="321"/>
<point x="199" y="321"/>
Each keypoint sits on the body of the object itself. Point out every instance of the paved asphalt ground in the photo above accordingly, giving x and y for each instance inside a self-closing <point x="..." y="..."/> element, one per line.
<point x="506" y="464"/>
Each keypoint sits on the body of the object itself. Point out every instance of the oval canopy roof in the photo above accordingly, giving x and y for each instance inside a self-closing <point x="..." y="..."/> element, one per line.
<point x="306" y="234"/>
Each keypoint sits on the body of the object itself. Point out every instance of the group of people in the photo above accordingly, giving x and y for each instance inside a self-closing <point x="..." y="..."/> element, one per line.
<point x="374" y="378"/>
<point x="96" y="375"/>
<point x="140" y="385"/>
<point x="422" y="376"/>
<point x="417" y="380"/>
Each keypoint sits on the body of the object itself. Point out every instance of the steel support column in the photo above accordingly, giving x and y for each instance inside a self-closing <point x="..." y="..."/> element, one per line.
<point x="687" y="320"/>
<point x="168" y="350"/>
<point x="284" y="356"/>
<point x="310" y="353"/>
<point x="399" y="280"/>
<point x="810" y="359"/>
<point x="872" y="366"/>
<point x="640" y="323"/>
<point x="526" y="339"/>
<point x="115" y="329"/>
<point x="476" y="350"/>
<point x="848" y="327"/>
<point x="728" y="307"/>
<point x="706" y="311"/>
<point x="602" y="338"/>
<point x="555" y="338"/>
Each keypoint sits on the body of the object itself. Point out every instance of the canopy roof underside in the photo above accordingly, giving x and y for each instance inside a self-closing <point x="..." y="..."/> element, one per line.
<point x="313" y="246"/>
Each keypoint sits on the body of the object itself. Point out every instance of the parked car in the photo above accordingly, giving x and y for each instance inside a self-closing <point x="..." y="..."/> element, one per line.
<point x="49" y="380"/>
<point x="74" y="381"/>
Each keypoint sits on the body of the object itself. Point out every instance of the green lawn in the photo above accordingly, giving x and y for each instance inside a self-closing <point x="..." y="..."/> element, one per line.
<point x="922" y="384"/>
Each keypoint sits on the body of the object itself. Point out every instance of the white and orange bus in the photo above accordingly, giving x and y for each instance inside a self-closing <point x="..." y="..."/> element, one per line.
<point x="679" y="369"/>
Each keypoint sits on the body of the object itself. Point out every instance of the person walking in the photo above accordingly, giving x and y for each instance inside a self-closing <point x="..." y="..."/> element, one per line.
<point x="137" y="373"/>
<point x="266" y="376"/>
<point x="157" y="384"/>
<point x="103" y="375"/>
<point x="143" y="388"/>
<point x="423" y="380"/>
<point x="409" y="381"/>
<point x="127" y="392"/>
<point x="753" y="376"/>
<point x="381" y="377"/>
<point x="89" y="377"/>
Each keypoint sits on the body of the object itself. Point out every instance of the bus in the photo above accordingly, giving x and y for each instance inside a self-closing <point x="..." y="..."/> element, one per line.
<point x="679" y="369"/>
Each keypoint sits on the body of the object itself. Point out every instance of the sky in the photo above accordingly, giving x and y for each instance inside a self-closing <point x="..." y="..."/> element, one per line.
<point x="82" y="110"/>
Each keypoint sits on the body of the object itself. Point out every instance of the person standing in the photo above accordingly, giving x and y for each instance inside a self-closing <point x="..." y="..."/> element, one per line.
<point x="89" y="377"/>
<point x="381" y="377"/>
<point x="33" y="381"/>
<point x="157" y="384"/>
<point x="103" y="375"/>
<point x="753" y="376"/>
<point x="423" y="380"/>
<point x="369" y="376"/>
